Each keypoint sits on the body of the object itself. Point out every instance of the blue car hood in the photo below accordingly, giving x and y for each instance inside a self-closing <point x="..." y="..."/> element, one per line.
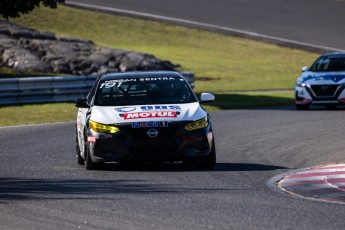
<point x="318" y="77"/>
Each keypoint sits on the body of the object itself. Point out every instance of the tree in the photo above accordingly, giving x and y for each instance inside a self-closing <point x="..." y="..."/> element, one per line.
<point x="14" y="8"/>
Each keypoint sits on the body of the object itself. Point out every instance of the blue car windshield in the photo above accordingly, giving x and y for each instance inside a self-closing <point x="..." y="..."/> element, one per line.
<point x="329" y="64"/>
<point x="141" y="91"/>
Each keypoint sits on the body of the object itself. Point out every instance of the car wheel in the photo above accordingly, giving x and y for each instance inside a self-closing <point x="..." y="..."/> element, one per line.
<point x="302" y="107"/>
<point x="209" y="162"/>
<point x="89" y="165"/>
<point x="80" y="159"/>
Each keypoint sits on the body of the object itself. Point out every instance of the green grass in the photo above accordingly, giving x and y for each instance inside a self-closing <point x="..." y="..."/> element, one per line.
<point x="36" y="114"/>
<point x="229" y="64"/>
<point x="234" y="63"/>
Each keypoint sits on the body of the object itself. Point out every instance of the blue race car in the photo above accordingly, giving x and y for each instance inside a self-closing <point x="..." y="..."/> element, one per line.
<point x="323" y="83"/>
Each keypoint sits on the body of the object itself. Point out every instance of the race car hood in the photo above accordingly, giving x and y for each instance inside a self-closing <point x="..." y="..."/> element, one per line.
<point x="140" y="113"/>
<point x="309" y="77"/>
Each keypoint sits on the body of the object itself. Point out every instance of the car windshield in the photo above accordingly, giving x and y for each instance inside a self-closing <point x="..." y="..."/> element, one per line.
<point x="328" y="64"/>
<point x="139" y="91"/>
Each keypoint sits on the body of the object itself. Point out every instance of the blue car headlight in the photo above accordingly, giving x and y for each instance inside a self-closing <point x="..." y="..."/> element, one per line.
<point x="300" y="83"/>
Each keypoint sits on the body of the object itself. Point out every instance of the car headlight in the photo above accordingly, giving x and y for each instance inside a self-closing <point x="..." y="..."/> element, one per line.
<point x="300" y="83"/>
<point x="101" y="128"/>
<point x="199" y="124"/>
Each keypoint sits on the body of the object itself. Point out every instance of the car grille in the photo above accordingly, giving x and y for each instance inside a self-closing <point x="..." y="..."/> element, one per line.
<point x="324" y="90"/>
<point x="158" y="145"/>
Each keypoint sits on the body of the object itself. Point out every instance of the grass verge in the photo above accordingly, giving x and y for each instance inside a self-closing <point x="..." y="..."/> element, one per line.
<point x="37" y="114"/>
<point x="230" y="63"/>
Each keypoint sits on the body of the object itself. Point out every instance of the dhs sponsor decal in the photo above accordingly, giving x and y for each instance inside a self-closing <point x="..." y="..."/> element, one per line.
<point x="149" y="124"/>
<point x="160" y="108"/>
<point x="153" y="114"/>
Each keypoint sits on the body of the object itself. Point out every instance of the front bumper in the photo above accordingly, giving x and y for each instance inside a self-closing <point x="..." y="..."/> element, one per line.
<point x="306" y="95"/>
<point x="134" y="145"/>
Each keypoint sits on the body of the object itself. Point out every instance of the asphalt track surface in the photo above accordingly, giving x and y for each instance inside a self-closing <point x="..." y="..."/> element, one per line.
<point x="314" y="22"/>
<point x="42" y="187"/>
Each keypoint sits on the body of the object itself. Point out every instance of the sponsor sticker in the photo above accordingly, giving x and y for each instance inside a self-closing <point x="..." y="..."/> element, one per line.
<point x="160" y="108"/>
<point x="91" y="139"/>
<point x="118" y="82"/>
<point x="157" y="79"/>
<point x="153" y="114"/>
<point x="149" y="124"/>
<point x="125" y="109"/>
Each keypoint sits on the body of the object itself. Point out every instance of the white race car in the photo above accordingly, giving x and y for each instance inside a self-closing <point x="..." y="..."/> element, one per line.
<point x="323" y="83"/>
<point x="144" y="116"/>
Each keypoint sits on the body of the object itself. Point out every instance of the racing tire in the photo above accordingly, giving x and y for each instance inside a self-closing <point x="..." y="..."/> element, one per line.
<point x="89" y="165"/>
<point x="208" y="162"/>
<point x="302" y="107"/>
<point x="80" y="159"/>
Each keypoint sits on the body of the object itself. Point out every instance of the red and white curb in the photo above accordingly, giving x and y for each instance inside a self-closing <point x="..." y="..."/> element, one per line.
<point x="325" y="183"/>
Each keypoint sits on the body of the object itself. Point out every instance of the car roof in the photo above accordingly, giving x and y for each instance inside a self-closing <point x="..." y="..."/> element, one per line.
<point x="334" y="54"/>
<point x="141" y="74"/>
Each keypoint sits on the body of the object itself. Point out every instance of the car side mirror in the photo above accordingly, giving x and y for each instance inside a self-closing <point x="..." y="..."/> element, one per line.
<point x="206" y="98"/>
<point x="305" y="69"/>
<point x="81" y="103"/>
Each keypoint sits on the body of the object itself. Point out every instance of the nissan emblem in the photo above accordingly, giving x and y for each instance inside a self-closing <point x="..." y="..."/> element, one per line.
<point x="152" y="133"/>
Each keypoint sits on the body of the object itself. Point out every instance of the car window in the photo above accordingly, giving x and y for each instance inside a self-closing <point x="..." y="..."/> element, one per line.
<point x="135" y="91"/>
<point x="329" y="64"/>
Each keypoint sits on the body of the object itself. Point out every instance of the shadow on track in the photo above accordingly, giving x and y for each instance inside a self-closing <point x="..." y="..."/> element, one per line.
<point x="179" y="167"/>
<point x="246" y="167"/>
<point x="13" y="188"/>
<point x="92" y="189"/>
